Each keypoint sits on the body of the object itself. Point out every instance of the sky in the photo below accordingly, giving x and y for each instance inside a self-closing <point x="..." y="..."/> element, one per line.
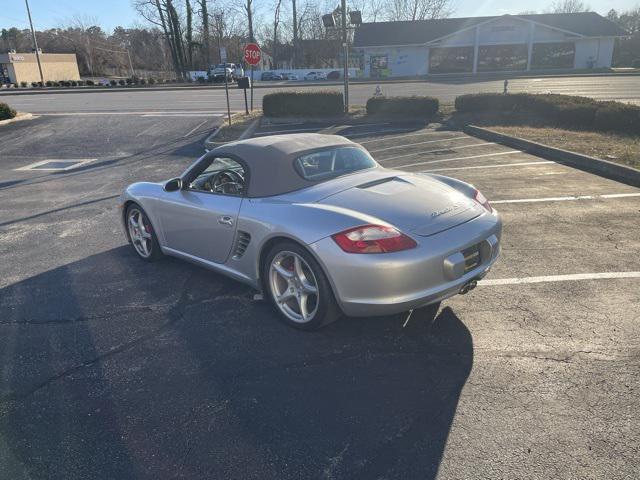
<point x="111" y="13"/>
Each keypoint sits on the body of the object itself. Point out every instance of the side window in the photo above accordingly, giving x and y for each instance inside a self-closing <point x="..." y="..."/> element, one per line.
<point x="223" y="176"/>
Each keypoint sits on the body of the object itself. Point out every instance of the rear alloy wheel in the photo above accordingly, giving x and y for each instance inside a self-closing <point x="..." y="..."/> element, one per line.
<point x="298" y="288"/>
<point x="142" y="234"/>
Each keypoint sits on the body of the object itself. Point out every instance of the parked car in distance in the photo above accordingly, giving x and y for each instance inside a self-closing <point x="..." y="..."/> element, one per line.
<point x="316" y="224"/>
<point x="315" y="76"/>
<point x="216" y="74"/>
<point x="290" y="76"/>
<point x="270" y="76"/>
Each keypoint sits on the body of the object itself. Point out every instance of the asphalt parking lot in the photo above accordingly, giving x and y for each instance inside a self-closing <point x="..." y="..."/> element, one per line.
<point x="116" y="368"/>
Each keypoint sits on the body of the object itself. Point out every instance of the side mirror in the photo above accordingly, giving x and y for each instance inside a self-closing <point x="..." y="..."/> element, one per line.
<point x="173" y="185"/>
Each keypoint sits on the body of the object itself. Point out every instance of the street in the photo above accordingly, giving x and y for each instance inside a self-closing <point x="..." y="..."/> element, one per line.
<point x="117" y="368"/>
<point x="213" y="101"/>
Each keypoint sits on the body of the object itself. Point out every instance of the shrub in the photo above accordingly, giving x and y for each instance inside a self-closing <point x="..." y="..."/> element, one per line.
<point x="80" y="83"/>
<point x="152" y="80"/>
<point x="143" y="81"/>
<point x="618" y="117"/>
<point x="6" y="112"/>
<point x="74" y="83"/>
<point x="49" y="83"/>
<point x="200" y="79"/>
<point x="561" y="110"/>
<point x="24" y="84"/>
<point x="113" y="83"/>
<point x="282" y="104"/>
<point x="89" y="83"/>
<point x="410" y="106"/>
<point x="122" y="82"/>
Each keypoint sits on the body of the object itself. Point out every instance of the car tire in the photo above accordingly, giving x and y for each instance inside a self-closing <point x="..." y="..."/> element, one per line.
<point x="141" y="233"/>
<point x="321" y="307"/>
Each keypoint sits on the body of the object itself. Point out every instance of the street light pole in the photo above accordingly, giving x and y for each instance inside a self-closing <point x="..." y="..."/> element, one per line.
<point x="35" y="44"/>
<point x="345" y="50"/>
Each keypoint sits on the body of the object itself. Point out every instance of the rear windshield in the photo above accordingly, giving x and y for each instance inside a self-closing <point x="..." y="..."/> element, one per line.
<point x="330" y="163"/>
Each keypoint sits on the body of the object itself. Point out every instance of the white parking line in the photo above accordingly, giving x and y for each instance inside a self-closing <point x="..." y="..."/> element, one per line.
<point x="413" y="134"/>
<point x="143" y="113"/>
<point x="417" y="143"/>
<point x="558" y="278"/>
<point x="196" y="128"/>
<point x="184" y="115"/>
<point x="391" y="130"/>
<point x="277" y="132"/>
<point x="457" y="158"/>
<point x="436" y="151"/>
<point x="546" y="162"/>
<point x="568" y="198"/>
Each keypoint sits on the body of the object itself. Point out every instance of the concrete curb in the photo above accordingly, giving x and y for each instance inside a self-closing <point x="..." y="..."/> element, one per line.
<point x="16" y="91"/>
<point x="603" y="168"/>
<point x="18" y="118"/>
<point x="210" y="143"/>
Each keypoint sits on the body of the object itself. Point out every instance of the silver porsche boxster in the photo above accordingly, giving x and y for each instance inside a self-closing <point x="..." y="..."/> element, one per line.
<point x="319" y="227"/>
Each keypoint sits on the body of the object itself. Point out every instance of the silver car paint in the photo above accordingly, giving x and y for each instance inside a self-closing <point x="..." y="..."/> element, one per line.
<point x="187" y="227"/>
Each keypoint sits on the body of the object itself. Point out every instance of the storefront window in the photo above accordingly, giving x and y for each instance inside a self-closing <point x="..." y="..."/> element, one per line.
<point x="493" y="58"/>
<point x="451" y="60"/>
<point x="4" y="73"/>
<point x="379" y="66"/>
<point x="553" y="55"/>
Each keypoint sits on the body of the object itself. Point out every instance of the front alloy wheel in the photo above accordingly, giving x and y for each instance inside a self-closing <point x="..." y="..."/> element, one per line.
<point x="141" y="234"/>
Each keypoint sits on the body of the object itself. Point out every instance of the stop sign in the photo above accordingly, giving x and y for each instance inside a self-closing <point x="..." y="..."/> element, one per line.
<point x="252" y="53"/>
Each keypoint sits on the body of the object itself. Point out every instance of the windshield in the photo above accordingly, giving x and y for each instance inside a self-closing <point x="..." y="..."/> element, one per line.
<point x="331" y="163"/>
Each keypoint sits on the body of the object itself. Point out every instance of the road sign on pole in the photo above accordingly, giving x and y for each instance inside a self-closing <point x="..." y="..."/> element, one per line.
<point x="252" y="55"/>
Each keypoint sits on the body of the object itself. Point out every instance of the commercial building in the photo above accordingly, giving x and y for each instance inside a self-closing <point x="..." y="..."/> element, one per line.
<point x="23" y="67"/>
<point x="506" y="43"/>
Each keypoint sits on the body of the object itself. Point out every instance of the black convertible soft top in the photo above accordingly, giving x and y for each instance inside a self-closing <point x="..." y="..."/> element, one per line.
<point x="270" y="159"/>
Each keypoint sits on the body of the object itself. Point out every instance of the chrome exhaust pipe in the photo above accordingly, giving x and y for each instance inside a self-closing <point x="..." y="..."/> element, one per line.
<point x="466" y="288"/>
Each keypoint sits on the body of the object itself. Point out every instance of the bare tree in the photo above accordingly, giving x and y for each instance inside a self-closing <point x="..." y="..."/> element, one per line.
<point x="248" y="8"/>
<point x="204" y="15"/>
<point x="276" y="23"/>
<point x="569" y="6"/>
<point x="294" y="20"/>
<point x="157" y="13"/>
<point x="399" y="10"/>
<point x="189" y="34"/>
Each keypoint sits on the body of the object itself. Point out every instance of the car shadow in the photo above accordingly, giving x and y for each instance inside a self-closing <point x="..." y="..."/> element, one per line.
<point x="119" y="368"/>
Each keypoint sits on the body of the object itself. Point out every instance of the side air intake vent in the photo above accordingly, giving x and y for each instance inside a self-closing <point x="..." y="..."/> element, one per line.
<point x="242" y="242"/>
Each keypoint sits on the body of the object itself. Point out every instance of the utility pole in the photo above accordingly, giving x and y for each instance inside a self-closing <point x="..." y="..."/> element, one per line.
<point x="35" y="44"/>
<point x="345" y="54"/>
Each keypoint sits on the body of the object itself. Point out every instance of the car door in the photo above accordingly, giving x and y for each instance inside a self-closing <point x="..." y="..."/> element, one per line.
<point x="200" y="219"/>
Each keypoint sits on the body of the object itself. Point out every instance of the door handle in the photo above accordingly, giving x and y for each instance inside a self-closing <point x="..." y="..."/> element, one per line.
<point x="225" y="220"/>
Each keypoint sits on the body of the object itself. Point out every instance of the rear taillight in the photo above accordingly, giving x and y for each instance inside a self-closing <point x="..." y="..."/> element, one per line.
<point x="482" y="200"/>
<point x="373" y="239"/>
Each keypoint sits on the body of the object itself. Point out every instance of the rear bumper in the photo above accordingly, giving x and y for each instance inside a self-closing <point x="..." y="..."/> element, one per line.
<point x="371" y="285"/>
